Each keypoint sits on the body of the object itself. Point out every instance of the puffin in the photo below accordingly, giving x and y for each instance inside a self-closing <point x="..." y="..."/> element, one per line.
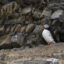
<point x="47" y="35"/>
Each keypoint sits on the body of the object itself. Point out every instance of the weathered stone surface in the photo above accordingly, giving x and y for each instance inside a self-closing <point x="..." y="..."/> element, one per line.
<point x="36" y="13"/>
<point x="18" y="38"/>
<point x="39" y="55"/>
<point x="32" y="1"/>
<point x="21" y="19"/>
<point x="57" y="14"/>
<point x="26" y="10"/>
<point x="38" y="29"/>
<point x="31" y="40"/>
<point x="8" y="8"/>
<point x="30" y="28"/>
<point x="3" y="62"/>
<point x="46" y="13"/>
<point x="23" y="29"/>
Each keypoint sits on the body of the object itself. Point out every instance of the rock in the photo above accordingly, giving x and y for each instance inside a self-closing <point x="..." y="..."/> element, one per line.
<point x="30" y="28"/>
<point x="61" y="18"/>
<point x="23" y="29"/>
<point x="53" y="60"/>
<point x="18" y="28"/>
<point x="37" y="62"/>
<point x="29" y="43"/>
<point x="14" y="38"/>
<point x="2" y="28"/>
<point x="5" y="2"/>
<point x="6" y="43"/>
<point x="61" y="62"/>
<point x="3" y="62"/>
<point x="57" y="14"/>
<point x="28" y="16"/>
<point x="21" y="20"/>
<point x="18" y="38"/>
<point x="38" y="29"/>
<point x="9" y="8"/>
<point x="12" y="16"/>
<point x="31" y="1"/>
<point x="36" y="13"/>
<point x="31" y="40"/>
<point x="14" y="41"/>
<point x="26" y="10"/>
<point x="46" y="13"/>
<point x="21" y="39"/>
<point x="58" y="1"/>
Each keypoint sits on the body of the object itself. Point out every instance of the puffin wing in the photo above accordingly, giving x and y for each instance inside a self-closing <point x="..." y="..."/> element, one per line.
<point x="47" y="36"/>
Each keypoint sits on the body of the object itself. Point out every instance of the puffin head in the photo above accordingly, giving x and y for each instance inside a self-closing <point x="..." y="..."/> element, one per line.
<point x="45" y="26"/>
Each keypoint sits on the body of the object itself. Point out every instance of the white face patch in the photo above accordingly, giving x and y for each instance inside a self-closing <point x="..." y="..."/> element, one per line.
<point x="46" y="26"/>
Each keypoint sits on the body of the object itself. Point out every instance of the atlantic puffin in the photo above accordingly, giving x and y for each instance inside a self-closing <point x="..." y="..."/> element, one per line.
<point x="47" y="35"/>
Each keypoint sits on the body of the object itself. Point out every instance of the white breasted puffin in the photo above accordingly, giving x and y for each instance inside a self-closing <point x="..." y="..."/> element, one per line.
<point x="47" y="35"/>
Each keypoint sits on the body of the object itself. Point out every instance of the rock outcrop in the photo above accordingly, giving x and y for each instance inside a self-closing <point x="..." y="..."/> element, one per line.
<point x="23" y="19"/>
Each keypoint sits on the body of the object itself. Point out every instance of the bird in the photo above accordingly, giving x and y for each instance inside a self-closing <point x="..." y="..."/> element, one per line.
<point x="47" y="35"/>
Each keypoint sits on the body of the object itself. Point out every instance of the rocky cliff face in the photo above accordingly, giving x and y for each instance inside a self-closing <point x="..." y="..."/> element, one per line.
<point x="21" y="21"/>
<point x="21" y="24"/>
<point x="24" y="19"/>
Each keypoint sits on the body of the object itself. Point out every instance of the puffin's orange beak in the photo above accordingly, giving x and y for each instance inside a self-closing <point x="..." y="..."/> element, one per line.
<point x="43" y="27"/>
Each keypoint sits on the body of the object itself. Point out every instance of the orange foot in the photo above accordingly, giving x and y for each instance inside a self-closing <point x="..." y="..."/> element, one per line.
<point x="49" y="43"/>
